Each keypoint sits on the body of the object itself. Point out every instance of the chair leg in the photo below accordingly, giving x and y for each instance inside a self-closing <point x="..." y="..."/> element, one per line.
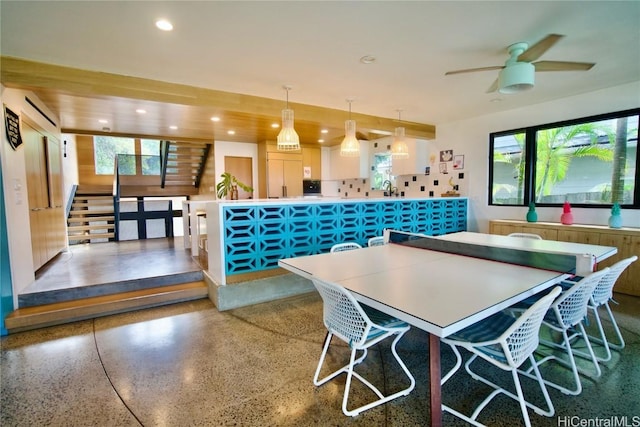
<point x="571" y="364"/>
<point x="382" y="399"/>
<point x="602" y="339"/>
<point x="620" y="344"/>
<point x="519" y="396"/>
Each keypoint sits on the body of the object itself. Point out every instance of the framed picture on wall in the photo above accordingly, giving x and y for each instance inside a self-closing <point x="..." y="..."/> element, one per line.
<point x="458" y="162"/>
<point x="443" y="168"/>
<point x="446" y="155"/>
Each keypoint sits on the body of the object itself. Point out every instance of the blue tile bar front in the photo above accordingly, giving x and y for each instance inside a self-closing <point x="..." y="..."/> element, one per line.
<point x="255" y="235"/>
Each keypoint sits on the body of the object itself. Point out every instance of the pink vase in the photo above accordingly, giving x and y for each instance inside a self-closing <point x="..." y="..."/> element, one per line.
<point x="567" y="217"/>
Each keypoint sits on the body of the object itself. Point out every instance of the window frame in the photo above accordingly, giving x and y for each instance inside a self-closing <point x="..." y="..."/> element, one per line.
<point x="529" y="153"/>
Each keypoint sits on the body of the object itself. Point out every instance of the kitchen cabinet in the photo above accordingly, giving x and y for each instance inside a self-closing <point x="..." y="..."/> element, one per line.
<point x="417" y="161"/>
<point x="311" y="159"/>
<point x="626" y="239"/>
<point x="284" y="175"/>
<point x="349" y="167"/>
<point x="44" y="188"/>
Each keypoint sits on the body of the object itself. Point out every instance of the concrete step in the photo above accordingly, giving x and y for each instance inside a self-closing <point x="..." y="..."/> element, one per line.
<point x="41" y="316"/>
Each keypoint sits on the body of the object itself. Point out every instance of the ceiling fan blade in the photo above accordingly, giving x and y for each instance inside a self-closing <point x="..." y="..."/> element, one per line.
<point x="473" y="70"/>
<point x="534" y="52"/>
<point x="562" y="66"/>
<point x="493" y="87"/>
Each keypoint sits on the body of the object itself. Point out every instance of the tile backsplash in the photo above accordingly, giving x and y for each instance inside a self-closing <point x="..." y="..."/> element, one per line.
<point x="408" y="186"/>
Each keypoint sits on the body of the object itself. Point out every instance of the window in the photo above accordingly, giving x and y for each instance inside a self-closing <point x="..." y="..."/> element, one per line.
<point x="589" y="162"/>
<point x="381" y="170"/>
<point x="150" y="156"/>
<point x="106" y="148"/>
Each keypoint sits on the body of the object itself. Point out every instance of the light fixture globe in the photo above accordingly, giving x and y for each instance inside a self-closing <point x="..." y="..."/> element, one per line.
<point x="516" y="77"/>
<point x="399" y="148"/>
<point x="350" y="146"/>
<point x="288" y="139"/>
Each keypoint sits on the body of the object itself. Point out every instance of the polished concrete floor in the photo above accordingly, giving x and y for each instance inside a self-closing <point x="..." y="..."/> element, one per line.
<point x="189" y="364"/>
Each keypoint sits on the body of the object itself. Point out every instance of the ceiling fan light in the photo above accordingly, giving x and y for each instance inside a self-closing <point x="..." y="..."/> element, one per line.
<point x="399" y="148"/>
<point x="288" y="139"/>
<point x="350" y="146"/>
<point x="517" y="77"/>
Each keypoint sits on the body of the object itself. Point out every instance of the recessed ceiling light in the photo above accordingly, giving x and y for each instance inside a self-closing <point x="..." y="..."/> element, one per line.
<point x="275" y="125"/>
<point x="231" y="132"/>
<point x="164" y="25"/>
<point x="103" y="121"/>
<point x="215" y="119"/>
<point x="368" y="59"/>
<point x="141" y="111"/>
<point x="321" y="141"/>
<point x="324" y="131"/>
<point x="173" y="127"/>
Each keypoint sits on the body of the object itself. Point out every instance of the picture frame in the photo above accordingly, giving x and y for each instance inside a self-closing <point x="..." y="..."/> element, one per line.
<point x="443" y="168"/>
<point x="458" y="162"/>
<point x="446" y="155"/>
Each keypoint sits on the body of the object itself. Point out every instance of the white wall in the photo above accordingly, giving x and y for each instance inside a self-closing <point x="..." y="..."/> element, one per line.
<point x="15" y="187"/>
<point x="471" y="138"/>
<point x="237" y="149"/>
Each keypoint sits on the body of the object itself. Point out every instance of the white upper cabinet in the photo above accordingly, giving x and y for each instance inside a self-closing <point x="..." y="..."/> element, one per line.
<point x="349" y="167"/>
<point x="417" y="161"/>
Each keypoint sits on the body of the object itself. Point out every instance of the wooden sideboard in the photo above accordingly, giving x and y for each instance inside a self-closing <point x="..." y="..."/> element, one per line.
<point x="627" y="240"/>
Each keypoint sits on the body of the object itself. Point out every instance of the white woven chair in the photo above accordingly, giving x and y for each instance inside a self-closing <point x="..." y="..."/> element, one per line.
<point x="565" y="316"/>
<point x="360" y="327"/>
<point x="525" y="236"/>
<point x="376" y="241"/>
<point x="602" y="294"/>
<point x="348" y="246"/>
<point x="506" y="342"/>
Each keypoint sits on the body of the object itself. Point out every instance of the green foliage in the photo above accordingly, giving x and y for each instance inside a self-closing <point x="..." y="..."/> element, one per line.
<point x="106" y="148"/>
<point x="223" y="188"/>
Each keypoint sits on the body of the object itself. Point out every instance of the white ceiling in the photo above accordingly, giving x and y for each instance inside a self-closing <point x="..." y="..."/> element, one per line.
<point x="256" y="47"/>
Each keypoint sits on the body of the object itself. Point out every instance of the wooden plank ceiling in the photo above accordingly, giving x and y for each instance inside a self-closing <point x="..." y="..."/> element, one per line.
<point x="80" y="98"/>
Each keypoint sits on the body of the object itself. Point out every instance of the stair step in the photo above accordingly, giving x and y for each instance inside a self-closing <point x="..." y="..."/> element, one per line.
<point x="92" y="203"/>
<point x="91" y="218"/>
<point x="92" y="236"/>
<point x="77" y="213"/>
<point x="73" y="228"/>
<point x="95" y="189"/>
<point x="41" y="316"/>
<point x="97" y="198"/>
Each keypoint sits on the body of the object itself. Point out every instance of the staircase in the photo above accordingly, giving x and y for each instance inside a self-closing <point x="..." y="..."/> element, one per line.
<point x="185" y="162"/>
<point x="91" y="218"/>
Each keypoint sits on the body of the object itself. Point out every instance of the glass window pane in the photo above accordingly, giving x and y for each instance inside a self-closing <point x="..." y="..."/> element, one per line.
<point x="508" y="169"/>
<point x="587" y="163"/>
<point x="106" y="148"/>
<point x="150" y="159"/>
<point x="381" y="170"/>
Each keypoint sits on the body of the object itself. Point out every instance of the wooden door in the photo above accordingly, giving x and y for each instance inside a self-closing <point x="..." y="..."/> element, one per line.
<point x="38" y="193"/>
<point x="242" y="169"/>
<point x="57" y="236"/>
<point x="275" y="178"/>
<point x="293" y="177"/>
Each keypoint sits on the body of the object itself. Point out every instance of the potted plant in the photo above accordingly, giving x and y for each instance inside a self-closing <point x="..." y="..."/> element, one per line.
<point x="229" y="186"/>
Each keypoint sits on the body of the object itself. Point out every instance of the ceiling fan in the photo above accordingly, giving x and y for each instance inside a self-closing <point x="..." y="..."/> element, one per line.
<point x="518" y="72"/>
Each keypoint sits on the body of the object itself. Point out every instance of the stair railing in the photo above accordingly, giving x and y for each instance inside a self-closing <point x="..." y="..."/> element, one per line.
<point x="116" y="201"/>
<point x="203" y="163"/>
<point x="164" y="158"/>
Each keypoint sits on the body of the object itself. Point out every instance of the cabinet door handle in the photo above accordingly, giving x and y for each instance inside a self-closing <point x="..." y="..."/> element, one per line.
<point x="284" y="191"/>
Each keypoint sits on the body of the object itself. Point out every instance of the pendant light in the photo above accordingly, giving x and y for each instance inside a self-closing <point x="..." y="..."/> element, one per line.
<point x="399" y="149"/>
<point x="350" y="146"/>
<point x="288" y="139"/>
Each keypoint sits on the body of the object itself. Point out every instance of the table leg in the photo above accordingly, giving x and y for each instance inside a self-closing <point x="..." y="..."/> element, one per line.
<point x="434" y="381"/>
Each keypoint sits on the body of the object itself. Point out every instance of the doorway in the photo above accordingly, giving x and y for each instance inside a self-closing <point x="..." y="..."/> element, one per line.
<point x="242" y="169"/>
